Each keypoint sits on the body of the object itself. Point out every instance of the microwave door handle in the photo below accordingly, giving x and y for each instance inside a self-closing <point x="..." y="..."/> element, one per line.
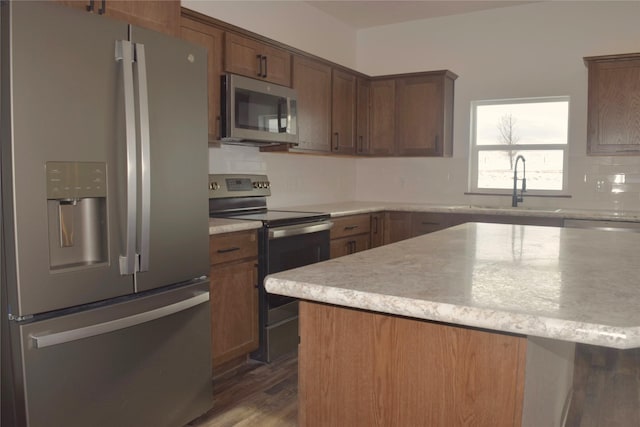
<point x="145" y="157"/>
<point x="283" y="115"/>
<point x="124" y="55"/>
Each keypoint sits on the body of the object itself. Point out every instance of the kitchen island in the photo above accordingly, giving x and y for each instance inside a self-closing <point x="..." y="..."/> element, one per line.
<point x="472" y="325"/>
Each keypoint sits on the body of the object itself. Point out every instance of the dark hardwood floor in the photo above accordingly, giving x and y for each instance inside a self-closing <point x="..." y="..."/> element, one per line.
<point x="256" y="394"/>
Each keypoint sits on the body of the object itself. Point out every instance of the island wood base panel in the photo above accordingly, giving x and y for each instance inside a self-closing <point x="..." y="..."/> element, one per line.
<point x="358" y="368"/>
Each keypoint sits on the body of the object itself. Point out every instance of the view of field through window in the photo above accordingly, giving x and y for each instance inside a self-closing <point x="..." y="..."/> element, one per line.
<point x="535" y="129"/>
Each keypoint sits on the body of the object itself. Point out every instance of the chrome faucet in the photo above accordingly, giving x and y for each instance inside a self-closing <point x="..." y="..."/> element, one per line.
<point x="515" y="198"/>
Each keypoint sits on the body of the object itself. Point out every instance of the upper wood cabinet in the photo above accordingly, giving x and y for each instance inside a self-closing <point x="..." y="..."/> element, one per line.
<point x="424" y="114"/>
<point x="613" y="124"/>
<point x="251" y="58"/>
<point x="312" y="82"/>
<point x="343" y="114"/>
<point x="363" y="106"/>
<point x="160" y="15"/>
<point x="383" y="118"/>
<point x="212" y="39"/>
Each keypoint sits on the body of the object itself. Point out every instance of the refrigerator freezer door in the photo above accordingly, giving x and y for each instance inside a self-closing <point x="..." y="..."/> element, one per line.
<point x="173" y="227"/>
<point x="66" y="120"/>
<point x="149" y="364"/>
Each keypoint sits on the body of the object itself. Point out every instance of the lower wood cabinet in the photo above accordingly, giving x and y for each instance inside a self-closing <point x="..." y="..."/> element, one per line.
<point x="398" y="226"/>
<point x="382" y="370"/>
<point x="234" y="295"/>
<point x="350" y="234"/>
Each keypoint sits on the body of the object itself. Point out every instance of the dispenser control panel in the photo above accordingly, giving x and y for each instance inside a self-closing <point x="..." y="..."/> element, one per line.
<point x="76" y="180"/>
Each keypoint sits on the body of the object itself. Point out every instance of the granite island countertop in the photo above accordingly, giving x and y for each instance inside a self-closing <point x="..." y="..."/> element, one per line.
<point x="566" y="284"/>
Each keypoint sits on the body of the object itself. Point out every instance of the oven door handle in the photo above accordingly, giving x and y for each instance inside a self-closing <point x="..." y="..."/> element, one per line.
<point x="296" y="230"/>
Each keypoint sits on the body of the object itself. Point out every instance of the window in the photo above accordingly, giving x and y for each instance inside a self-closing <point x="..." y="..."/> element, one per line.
<point x="535" y="128"/>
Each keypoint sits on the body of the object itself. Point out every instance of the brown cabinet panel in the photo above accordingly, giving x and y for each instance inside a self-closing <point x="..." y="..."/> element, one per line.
<point x="419" y="116"/>
<point x="362" y="115"/>
<point x="312" y="81"/>
<point x="253" y="59"/>
<point x="382" y="370"/>
<point x="383" y="118"/>
<point x="233" y="246"/>
<point x="343" y="115"/>
<point x="212" y="39"/>
<point x="163" y="16"/>
<point x="377" y="229"/>
<point x="614" y="105"/>
<point x="349" y="245"/>
<point x="350" y="225"/>
<point x="234" y="310"/>
<point x="397" y="226"/>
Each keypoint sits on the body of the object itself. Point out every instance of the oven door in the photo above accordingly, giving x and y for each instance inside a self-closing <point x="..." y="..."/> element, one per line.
<point x="290" y="247"/>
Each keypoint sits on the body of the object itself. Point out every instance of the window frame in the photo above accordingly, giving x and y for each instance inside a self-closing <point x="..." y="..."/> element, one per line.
<point x="475" y="148"/>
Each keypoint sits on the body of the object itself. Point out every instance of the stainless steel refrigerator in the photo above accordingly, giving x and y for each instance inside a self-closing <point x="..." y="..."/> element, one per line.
<point x="105" y="314"/>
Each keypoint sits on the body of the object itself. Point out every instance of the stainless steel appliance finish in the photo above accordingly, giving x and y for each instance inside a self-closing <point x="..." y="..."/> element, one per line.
<point x="105" y="243"/>
<point x="288" y="239"/>
<point x="254" y="112"/>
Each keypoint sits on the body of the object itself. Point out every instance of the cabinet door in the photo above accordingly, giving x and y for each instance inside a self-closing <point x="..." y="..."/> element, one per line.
<point x="312" y="81"/>
<point x="397" y="226"/>
<point x="377" y="229"/>
<point x="277" y="65"/>
<point x="349" y="245"/>
<point x="161" y="15"/>
<point x="343" y="117"/>
<point x="362" y="115"/>
<point x="211" y="38"/>
<point x="253" y="59"/>
<point x="234" y="310"/>
<point x="424" y="115"/>
<point x="614" y="107"/>
<point x="383" y="118"/>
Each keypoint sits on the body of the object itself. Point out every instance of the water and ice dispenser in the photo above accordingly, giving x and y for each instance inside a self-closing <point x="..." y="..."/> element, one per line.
<point x="77" y="211"/>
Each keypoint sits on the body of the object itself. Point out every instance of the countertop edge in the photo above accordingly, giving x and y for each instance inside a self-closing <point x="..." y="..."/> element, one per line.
<point x="225" y="225"/>
<point x="500" y="321"/>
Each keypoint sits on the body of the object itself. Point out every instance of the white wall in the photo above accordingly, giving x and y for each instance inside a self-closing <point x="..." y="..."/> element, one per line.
<point x="530" y="50"/>
<point x="512" y="52"/>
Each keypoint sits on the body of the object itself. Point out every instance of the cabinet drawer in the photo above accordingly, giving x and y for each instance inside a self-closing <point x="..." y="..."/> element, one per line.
<point x="233" y="246"/>
<point x="349" y="245"/>
<point x="350" y="225"/>
<point x="428" y="222"/>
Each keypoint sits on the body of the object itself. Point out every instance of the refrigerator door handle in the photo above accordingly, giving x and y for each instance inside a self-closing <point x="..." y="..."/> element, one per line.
<point x="124" y="55"/>
<point x="48" y="340"/>
<point x="145" y="156"/>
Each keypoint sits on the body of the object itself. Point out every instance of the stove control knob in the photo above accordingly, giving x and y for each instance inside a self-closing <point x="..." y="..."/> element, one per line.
<point x="214" y="186"/>
<point x="256" y="184"/>
<point x="267" y="184"/>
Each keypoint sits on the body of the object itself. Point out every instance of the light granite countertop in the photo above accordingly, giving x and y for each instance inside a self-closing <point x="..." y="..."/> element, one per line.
<point x="351" y="208"/>
<point x="566" y="284"/>
<point x="226" y="225"/>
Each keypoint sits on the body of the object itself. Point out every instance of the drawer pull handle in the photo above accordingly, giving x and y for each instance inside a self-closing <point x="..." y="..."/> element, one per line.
<point x="350" y="227"/>
<point x="430" y="223"/>
<point x="226" y="251"/>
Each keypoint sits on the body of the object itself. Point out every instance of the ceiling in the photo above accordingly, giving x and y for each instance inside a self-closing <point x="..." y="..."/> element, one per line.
<point x="365" y="14"/>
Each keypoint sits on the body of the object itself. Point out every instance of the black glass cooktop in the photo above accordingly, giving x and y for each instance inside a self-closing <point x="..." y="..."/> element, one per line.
<point x="275" y="218"/>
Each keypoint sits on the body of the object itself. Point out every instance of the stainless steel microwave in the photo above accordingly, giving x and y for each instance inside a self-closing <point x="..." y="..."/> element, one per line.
<point x="255" y="112"/>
